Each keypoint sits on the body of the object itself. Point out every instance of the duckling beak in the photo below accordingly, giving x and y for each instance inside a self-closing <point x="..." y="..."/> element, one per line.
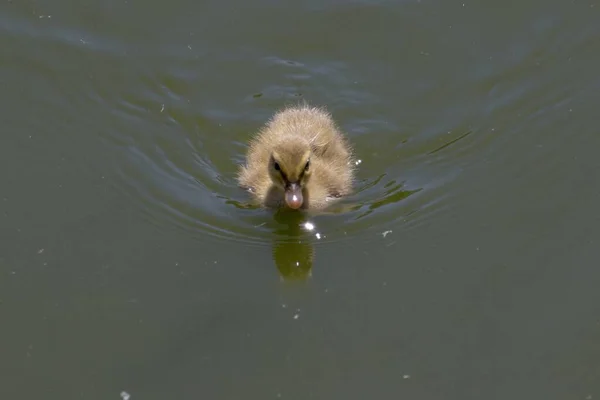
<point x="293" y="196"/>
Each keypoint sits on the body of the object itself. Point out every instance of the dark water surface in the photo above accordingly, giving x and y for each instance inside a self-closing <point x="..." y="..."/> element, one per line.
<point x="465" y="268"/>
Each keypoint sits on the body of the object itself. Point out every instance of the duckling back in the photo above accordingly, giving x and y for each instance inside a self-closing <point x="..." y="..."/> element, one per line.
<point x="314" y="124"/>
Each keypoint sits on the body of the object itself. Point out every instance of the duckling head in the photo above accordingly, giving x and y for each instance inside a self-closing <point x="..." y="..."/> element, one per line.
<point x="289" y="168"/>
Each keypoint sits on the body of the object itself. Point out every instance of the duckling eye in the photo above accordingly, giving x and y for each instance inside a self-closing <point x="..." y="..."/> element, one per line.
<point x="276" y="166"/>
<point x="307" y="165"/>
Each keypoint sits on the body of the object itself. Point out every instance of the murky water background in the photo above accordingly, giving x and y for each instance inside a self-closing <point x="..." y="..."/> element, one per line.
<point x="465" y="268"/>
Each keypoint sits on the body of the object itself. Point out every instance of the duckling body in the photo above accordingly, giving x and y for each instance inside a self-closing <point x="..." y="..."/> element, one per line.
<point x="299" y="159"/>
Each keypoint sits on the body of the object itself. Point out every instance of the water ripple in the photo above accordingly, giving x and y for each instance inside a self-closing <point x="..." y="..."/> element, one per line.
<point x="179" y="149"/>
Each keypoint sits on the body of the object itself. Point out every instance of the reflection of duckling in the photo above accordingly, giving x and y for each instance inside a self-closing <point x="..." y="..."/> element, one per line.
<point x="299" y="159"/>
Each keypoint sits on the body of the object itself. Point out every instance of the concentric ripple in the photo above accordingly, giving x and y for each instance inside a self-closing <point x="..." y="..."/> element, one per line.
<point x="176" y="148"/>
<point x="178" y="160"/>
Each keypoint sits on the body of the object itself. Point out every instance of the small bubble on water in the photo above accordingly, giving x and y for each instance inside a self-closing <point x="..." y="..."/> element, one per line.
<point x="125" y="395"/>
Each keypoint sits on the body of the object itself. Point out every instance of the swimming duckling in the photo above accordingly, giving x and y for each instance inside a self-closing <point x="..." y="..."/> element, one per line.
<point x="299" y="159"/>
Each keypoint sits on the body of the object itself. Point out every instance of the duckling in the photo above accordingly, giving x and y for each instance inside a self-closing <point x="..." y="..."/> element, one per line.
<point x="299" y="159"/>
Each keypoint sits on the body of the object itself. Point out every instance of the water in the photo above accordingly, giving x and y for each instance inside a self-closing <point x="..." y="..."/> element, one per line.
<point x="463" y="267"/>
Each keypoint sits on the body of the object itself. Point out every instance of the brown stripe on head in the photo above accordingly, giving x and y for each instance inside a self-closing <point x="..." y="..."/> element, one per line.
<point x="290" y="156"/>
